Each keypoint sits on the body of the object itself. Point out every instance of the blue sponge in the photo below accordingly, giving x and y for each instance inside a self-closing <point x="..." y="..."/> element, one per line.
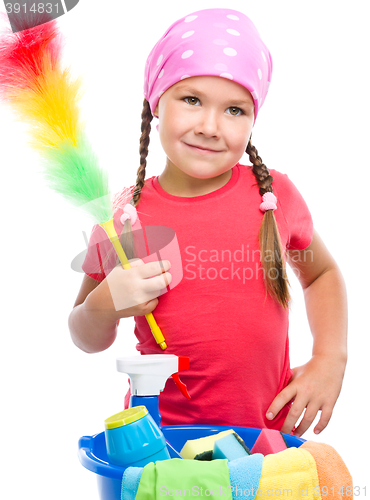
<point x="231" y="447"/>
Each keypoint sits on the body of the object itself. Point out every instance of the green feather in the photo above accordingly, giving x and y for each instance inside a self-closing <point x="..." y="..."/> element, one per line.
<point x="74" y="173"/>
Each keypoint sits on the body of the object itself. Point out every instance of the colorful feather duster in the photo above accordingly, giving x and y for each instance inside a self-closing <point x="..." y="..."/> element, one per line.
<point x="44" y="95"/>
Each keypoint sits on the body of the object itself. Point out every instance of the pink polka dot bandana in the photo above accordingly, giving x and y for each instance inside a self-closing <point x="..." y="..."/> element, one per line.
<point x="214" y="42"/>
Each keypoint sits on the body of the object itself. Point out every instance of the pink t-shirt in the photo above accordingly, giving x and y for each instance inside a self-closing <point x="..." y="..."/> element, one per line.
<point x="216" y="310"/>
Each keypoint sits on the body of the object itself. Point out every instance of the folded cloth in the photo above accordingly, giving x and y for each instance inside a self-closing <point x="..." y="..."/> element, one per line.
<point x="292" y="473"/>
<point x="333" y="474"/>
<point x="184" y="477"/>
<point x="130" y="482"/>
<point x="245" y="475"/>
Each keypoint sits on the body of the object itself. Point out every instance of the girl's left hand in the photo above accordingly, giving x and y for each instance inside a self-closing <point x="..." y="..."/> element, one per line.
<point x="314" y="386"/>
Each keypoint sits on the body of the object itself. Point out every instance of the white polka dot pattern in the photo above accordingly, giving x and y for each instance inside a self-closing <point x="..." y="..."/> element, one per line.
<point x="189" y="19"/>
<point x="187" y="34"/>
<point x="217" y="42"/>
<point x="230" y="52"/>
<point x="233" y="32"/>
<point x="187" y="54"/>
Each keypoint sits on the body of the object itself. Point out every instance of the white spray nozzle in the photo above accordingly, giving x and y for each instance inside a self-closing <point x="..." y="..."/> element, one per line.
<point x="148" y="373"/>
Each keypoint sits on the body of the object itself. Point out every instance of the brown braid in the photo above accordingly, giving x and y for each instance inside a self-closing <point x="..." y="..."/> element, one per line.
<point x="146" y="118"/>
<point x="126" y="238"/>
<point x="269" y="238"/>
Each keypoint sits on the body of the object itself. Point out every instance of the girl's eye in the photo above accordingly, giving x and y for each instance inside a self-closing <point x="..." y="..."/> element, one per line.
<point x="238" y="109"/>
<point x="192" y="99"/>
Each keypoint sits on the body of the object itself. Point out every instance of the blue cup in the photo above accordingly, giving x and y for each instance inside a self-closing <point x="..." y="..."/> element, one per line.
<point x="134" y="439"/>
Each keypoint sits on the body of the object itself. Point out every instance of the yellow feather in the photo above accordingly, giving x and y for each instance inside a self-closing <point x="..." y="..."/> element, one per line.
<point x="50" y="105"/>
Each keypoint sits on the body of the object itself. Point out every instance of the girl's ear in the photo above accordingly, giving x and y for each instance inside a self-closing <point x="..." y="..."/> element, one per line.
<point x="156" y="112"/>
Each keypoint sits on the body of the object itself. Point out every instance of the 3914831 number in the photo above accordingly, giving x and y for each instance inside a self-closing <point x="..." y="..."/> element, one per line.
<point x="344" y="491"/>
<point x="40" y="8"/>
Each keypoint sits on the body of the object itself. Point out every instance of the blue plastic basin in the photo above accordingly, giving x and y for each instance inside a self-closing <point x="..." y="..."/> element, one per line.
<point x="92" y="451"/>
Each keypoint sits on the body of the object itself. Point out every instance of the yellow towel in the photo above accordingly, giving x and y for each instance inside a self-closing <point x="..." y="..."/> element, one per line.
<point x="290" y="474"/>
<point x="334" y="478"/>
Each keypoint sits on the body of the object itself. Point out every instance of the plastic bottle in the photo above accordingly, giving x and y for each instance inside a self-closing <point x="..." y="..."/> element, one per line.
<point x="148" y="376"/>
<point x="133" y="436"/>
<point x="134" y="439"/>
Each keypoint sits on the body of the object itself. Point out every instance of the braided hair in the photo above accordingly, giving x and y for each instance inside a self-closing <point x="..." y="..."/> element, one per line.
<point x="146" y="118"/>
<point x="269" y="239"/>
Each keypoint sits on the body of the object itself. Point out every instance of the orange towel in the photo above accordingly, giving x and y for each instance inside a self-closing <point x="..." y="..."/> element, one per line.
<point x="333" y="474"/>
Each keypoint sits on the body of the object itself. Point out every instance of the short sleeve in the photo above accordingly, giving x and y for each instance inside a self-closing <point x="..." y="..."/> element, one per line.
<point x="101" y="257"/>
<point x="295" y="211"/>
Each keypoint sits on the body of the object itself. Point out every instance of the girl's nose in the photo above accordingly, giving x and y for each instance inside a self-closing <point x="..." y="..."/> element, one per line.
<point x="208" y="124"/>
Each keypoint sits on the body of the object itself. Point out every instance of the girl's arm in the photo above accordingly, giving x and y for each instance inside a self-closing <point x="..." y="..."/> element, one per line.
<point x="123" y="293"/>
<point x="91" y="330"/>
<point x="317" y="384"/>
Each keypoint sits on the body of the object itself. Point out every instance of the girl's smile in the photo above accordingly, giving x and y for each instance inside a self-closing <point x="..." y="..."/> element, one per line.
<point x="201" y="149"/>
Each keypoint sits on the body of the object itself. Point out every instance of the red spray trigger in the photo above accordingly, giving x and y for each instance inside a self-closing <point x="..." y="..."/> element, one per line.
<point x="183" y="364"/>
<point x="180" y="385"/>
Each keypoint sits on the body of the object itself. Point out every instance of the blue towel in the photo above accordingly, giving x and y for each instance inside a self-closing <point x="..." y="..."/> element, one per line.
<point x="245" y="474"/>
<point x="130" y="482"/>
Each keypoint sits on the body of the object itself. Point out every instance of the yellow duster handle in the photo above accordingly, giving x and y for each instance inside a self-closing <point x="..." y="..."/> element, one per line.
<point x="112" y="234"/>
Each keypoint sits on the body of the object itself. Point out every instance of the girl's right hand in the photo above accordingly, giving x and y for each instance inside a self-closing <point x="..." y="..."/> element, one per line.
<point x="132" y="292"/>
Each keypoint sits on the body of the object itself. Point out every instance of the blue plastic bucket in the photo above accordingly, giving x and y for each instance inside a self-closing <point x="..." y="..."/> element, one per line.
<point x="92" y="452"/>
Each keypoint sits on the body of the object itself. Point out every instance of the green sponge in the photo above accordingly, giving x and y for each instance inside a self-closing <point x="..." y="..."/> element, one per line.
<point x="202" y="448"/>
<point x="231" y="447"/>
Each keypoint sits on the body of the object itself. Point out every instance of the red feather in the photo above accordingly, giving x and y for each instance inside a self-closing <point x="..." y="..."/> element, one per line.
<point x="22" y="54"/>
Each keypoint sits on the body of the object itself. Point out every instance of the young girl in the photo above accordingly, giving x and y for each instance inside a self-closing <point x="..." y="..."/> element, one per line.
<point x="215" y="236"/>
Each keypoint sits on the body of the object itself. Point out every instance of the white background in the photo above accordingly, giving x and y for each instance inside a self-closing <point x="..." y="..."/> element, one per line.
<point x="314" y="126"/>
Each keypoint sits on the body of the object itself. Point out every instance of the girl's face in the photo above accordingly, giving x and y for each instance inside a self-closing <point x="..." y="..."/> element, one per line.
<point x="208" y="112"/>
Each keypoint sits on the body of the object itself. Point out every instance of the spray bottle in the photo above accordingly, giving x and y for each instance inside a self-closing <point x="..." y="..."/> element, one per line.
<point x="148" y="375"/>
<point x="133" y="436"/>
